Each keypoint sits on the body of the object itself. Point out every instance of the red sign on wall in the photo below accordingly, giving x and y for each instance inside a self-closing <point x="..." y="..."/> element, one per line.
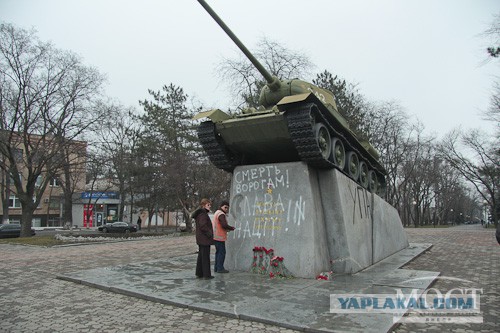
<point x="88" y="214"/>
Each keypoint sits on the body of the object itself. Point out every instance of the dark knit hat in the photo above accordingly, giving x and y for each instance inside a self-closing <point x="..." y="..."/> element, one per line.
<point x="224" y="203"/>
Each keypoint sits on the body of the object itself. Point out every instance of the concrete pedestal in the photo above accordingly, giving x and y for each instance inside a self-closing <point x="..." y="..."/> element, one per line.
<point x="317" y="220"/>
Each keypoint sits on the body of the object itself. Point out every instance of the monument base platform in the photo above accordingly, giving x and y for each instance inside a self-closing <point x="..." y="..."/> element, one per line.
<point x="299" y="304"/>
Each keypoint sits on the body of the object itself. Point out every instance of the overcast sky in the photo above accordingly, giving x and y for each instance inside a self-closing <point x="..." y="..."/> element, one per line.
<point x="427" y="55"/>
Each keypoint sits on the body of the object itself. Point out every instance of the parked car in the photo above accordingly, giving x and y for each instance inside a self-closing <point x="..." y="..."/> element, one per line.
<point x="118" y="227"/>
<point x="12" y="230"/>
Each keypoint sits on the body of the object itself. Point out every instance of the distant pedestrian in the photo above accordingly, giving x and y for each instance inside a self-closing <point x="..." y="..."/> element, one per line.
<point x="139" y="221"/>
<point x="221" y="227"/>
<point x="204" y="238"/>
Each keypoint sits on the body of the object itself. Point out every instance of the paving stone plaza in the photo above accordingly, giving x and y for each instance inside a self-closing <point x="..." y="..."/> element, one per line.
<point x="34" y="299"/>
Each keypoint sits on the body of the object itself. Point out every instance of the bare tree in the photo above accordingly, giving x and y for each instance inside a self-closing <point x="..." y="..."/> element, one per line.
<point x="97" y="165"/>
<point x="71" y="175"/>
<point x="449" y="184"/>
<point x="45" y="98"/>
<point x="245" y="81"/>
<point x="493" y="112"/>
<point x="117" y="138"/>
<point x="393" y="136"/>
<point x="422" y="178"/>
<point x="477" y="159"/>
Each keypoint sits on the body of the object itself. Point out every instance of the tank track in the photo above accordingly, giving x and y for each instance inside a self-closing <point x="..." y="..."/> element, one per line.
<point x="300" y="127"/>
<point x="215" y="148"/>
<point x="301" y="120"/>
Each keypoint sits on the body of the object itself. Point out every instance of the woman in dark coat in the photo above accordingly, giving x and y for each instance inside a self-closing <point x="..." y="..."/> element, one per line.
<point x="204" y="238"/>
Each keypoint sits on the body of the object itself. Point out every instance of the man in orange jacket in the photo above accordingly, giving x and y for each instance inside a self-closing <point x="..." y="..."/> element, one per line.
<point x="221" y="227"/>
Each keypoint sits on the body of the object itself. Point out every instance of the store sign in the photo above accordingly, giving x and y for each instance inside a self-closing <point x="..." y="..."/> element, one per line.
<point x="100" y="195"/>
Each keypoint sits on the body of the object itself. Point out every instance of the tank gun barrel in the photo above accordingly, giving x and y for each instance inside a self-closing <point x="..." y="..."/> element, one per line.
<point x="272" y="81"/>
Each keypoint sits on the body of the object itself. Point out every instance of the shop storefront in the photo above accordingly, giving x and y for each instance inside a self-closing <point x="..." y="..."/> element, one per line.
<point x="93" y="209"/>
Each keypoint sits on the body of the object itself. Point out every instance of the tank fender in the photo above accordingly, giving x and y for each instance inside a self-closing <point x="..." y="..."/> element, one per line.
<point x="287" y="100"/>
<point x="309" y="97"/>
<point x="214" y="115"/>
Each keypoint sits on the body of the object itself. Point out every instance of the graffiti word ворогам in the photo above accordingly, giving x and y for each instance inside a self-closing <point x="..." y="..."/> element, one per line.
<point x="260" y="178"/>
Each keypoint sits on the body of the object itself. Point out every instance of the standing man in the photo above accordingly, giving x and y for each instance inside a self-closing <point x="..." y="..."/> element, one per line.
<point x="204" y="238"/>
<point x="139" y="221"/>
<point x="221" y="227"/>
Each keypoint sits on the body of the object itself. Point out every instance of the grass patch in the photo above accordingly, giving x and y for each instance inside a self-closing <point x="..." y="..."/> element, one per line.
<point x="50" y="240"/>
<point x="37" y="241"/>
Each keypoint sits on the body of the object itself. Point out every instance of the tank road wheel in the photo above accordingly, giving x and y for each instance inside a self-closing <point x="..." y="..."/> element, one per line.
<point x="323" y="139"/>
<point x="363" y="174"/>
<point x="352" y="165"/>
<point x="338" y="153"/>
<point x="372" y="181"/>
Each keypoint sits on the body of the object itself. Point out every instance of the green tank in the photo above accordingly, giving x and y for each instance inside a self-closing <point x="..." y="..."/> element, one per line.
<point x="296" y="121"/>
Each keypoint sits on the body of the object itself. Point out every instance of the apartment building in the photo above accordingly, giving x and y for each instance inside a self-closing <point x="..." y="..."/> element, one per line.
<point x="50" y="208"/>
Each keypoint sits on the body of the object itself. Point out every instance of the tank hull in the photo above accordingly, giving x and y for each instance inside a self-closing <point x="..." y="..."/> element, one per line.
<point x="259" y="139"/>
<point x="285" y="134"/>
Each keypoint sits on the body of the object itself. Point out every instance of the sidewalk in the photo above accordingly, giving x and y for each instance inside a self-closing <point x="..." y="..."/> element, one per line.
<point x="32" y="299"/>
<point x="468" y="252"/>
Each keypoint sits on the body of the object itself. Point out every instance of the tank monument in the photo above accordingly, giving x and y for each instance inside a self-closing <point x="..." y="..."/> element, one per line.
<point x="305" y="189"/>
<point x="306" y="200"/>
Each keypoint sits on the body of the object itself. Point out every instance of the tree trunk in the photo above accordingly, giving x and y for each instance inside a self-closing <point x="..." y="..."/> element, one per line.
<point x="122" y="203"/>
<point x="187" y="216"/>
<point x="150" y="217"/>
<point x="5" y="178"/>
<point x="131" y="213"/>
<point x="68" y="211"/>
<point x="68" y="195"/>
<point x="26" y="220"/>
<point x="494" y="213"/>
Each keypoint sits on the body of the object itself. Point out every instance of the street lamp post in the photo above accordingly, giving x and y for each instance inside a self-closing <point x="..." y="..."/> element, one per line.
<point x="415" y="218"/>
<point x="485" y="212"/>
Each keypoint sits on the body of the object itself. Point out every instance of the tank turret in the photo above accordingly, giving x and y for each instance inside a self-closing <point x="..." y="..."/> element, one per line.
<point x="297" y="121"/>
